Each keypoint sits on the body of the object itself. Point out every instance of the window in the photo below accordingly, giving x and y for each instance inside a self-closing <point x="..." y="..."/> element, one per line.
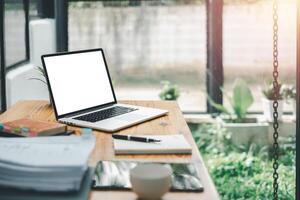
<point x="145" y="43"/>
<point x="247" y="38"/>
<point x="15" y="32"/>
<point x="15" y="43"/>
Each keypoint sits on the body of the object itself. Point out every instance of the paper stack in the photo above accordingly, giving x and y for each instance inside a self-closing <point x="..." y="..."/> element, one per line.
<point x="46" y="163"/>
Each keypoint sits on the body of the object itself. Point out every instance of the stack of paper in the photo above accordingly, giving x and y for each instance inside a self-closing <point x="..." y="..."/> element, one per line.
<point x="44" y="164"/>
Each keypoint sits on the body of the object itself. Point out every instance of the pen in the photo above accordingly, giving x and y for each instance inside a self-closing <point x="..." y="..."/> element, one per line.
<point x="134" y="138"/>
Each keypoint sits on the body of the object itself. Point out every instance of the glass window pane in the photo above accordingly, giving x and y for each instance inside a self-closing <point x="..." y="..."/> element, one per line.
<point x="247" y="52"/>
<point x="146" y="43"/>
<point x="14" y="32"/>
<point x="33" y="11"/>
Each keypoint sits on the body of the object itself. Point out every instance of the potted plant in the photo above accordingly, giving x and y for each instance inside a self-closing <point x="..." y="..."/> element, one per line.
<point x="41" y="73"/>
<point x="41" y="78"/>
<point x="169" y="91"/>
<point x="289" y="93"/>
<point x="268" y="100"/>
<point x="244" y="129"/>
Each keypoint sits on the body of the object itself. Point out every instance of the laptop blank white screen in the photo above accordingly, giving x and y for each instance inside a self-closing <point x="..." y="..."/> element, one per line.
<point x="78" y="81"/>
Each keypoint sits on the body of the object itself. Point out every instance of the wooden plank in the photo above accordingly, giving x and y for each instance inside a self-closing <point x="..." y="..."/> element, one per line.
<point x="173" y="123"/>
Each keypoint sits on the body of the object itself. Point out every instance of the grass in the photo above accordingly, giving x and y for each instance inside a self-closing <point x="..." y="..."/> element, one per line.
<point x="241" y="172"/>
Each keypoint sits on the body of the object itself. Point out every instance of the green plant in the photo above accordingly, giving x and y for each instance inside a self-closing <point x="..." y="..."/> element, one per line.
<point x="289" y="92"/>
<point x="269" y="94"/>
<point x="169" y="91"/>
<point x="240" y="101"/>
<point x="245" y="172"/>
<point x="212" y="139"/>
<point x="41" y="73"/>
<point x="243" y="176"/>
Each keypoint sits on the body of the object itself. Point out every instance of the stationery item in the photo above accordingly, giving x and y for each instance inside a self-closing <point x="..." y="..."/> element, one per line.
<point x="115" y="175"/>
<point x="31" y="128"/>
<point x="169" y="144"/>
<point x="86" y="132"/>
<point x="81" y="194"/>
<point x="44" y="163"/>
<point x="7" y="134"/>
<point x="134" y="138"/>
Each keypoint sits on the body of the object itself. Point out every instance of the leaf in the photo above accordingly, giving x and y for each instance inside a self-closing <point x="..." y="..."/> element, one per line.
<point x="218" y="106"/>
<point x="227" y="96"/>
<point x="38" y="80"/>
<point x="242" y="98"/>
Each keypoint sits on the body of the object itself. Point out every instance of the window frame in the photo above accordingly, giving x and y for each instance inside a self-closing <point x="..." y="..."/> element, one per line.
<point x="298" y="107"/>
<point x="2" y="59"/>
<point x="26" y="36"/>
<point x="4" y="68"/>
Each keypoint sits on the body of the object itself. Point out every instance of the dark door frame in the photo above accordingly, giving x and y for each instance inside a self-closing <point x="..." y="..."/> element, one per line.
<point x="2" y="59"/>
<point x="297" y="106"/>
<point x="214" y="55"/>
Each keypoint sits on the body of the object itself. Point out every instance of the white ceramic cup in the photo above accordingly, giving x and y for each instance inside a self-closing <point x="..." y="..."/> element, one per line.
<point x="150" y="181"/>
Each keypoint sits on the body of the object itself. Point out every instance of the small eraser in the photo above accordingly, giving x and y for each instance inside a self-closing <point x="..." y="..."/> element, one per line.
<point x="24" y="130"/>
<point x="86" y="132"/>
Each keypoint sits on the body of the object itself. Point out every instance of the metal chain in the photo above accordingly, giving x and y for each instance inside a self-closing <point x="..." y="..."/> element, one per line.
<point x="275" y="102"/>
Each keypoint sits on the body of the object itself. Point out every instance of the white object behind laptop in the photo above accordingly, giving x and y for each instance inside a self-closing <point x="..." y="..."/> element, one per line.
<point x="170" y="144"/>
<point x="79" y="83"/>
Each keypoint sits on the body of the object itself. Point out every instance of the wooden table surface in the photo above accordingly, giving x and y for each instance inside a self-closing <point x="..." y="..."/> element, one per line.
<point x="173" y="123"/>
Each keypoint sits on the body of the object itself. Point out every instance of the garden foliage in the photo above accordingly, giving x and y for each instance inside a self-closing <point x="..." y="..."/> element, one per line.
<point x="244" y="172"/>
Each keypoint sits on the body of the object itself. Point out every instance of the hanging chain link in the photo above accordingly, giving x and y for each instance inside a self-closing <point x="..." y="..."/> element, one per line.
<point x="275" y="102"/>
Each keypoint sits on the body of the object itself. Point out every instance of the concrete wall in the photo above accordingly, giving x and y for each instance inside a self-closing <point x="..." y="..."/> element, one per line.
<point x="42" y="41"/>
<point x="175" y="36"/>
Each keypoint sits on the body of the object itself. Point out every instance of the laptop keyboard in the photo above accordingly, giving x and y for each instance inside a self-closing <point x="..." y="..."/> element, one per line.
<point x="105" y="114"/>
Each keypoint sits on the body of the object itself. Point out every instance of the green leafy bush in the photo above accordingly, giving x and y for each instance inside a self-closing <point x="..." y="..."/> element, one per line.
<point x="169" y="91"/>
<point x="289" y="92"/>
<point x="245" y="172"/>
<point x="269" y="93"/>
<point x="240" y="101"/>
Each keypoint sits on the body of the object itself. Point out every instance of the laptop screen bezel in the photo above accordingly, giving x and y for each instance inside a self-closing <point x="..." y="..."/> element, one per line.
<point x="50" y="89"/>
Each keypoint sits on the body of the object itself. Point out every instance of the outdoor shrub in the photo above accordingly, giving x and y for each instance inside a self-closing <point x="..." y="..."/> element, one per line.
<point x="169" y="91"/>
<point x="240" y="100"/>
<point x="268" y="91"/>
<point x="245" y="172"/>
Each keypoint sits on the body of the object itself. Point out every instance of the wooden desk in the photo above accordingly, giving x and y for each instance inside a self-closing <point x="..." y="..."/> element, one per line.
<point x="173" y="123"/>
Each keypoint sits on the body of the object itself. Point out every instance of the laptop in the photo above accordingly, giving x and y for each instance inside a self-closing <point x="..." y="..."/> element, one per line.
<point x="82" y="93"/>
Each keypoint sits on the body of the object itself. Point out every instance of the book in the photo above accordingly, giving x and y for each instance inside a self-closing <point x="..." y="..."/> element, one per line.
<point x="19" y="194"/>
<point x="31" y="128"/>
<point x="7" y="134"/>
<point x="114" y="175"/>
<point x="46" y="164"/>
<point x="170" y="144"/>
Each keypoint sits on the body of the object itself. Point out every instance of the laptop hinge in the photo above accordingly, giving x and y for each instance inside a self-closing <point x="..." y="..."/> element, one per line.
<point x="70" y="115"/>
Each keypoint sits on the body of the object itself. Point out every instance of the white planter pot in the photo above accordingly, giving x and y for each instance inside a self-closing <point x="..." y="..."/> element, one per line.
<point x="268" y="109"/>
<point x="247" y="133"/>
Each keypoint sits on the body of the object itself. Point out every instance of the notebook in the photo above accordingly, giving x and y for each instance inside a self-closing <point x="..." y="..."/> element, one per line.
<point x="31" y="128"/>
<point x="170" y="144"/>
